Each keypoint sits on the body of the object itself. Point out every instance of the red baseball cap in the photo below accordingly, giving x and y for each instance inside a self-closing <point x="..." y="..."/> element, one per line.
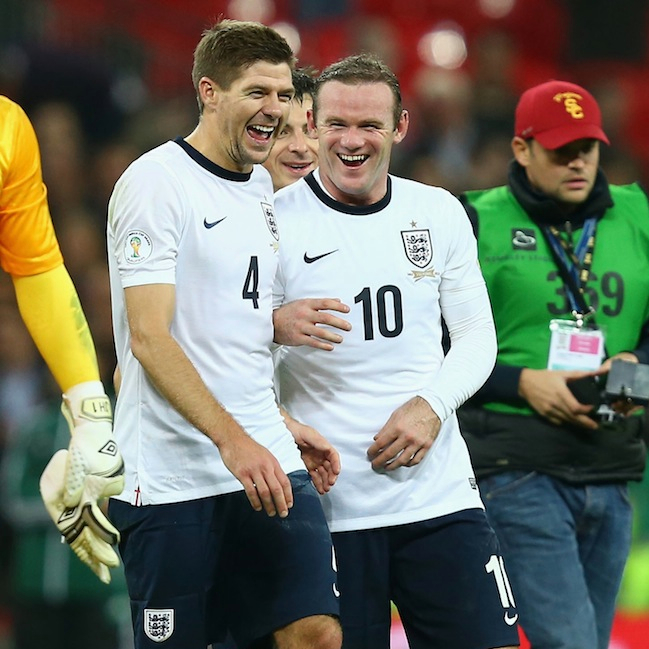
<point x="555" y="113"/>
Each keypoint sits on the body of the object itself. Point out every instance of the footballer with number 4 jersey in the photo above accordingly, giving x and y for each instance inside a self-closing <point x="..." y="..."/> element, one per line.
<point x="223" y="533"/>
<point x="406" y="516"/>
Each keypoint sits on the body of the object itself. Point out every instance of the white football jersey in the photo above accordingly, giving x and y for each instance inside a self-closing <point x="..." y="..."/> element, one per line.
<point x="176" y="218"/>
<point x="400" y="265"/>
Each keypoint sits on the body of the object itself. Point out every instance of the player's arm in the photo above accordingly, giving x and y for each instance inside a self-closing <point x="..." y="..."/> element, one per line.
<point x="52" y="313"/>
<point x="92" y="467"/>
<point x="150" y="311"/>
<point x="466" y="310"/>
<point x="412" y="429"/>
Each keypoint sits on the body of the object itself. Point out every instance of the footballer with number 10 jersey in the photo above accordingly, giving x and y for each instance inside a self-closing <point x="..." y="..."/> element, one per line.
<point x="401" y="264"/>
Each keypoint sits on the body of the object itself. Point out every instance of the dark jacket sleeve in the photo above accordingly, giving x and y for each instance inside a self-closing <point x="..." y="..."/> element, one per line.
<point x="642" y="350"/>
<point x="502" y="385"/>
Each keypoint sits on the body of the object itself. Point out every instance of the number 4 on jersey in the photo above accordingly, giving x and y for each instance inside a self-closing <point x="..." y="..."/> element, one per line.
<point x="251" y="285"/>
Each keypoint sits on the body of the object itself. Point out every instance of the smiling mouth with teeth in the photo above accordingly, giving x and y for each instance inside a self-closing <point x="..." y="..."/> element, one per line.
<point x="263" y="132"/>
<point x="298" y="166"/>
<point x="352" y="160"/>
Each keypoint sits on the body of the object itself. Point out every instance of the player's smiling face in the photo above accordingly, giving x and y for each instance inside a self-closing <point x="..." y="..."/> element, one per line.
<point x="356" y="130"/>
<point x="295" y="152"/>
<point x="249" y="114"/>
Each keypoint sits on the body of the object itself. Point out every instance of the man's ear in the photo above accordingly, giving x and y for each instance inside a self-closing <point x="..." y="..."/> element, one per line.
<point x="402" y="126"/>
<point x="521" y="150"/>
<point x="208" y="90"/>
<point x="310" y="122"/>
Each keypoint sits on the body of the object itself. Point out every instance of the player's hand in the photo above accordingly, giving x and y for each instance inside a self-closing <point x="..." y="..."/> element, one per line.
<point x="84" y="526"/>
<point x="93" y="450"/>
<point x="547" y="392"/>
<point x="91" y="469"/>
<point x="307" y="322"/>
<point x="257" y="469"/>
<point x="319" y="456"/>
<point x="406" y="437"/>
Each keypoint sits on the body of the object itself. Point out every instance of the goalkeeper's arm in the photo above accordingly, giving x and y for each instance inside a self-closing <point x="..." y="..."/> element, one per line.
<point x="50" y="308"/>
<point x="92" y="467"/>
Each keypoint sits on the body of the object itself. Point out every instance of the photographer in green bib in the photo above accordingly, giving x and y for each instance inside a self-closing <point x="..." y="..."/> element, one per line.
<point x="566" y="259"/>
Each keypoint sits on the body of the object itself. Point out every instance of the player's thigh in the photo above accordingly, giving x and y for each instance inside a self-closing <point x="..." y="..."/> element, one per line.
<point x="277" y="570"/>
<point x="450" y="584"/>
<point x="169" y="555"/>
<point x="363" y="559"/>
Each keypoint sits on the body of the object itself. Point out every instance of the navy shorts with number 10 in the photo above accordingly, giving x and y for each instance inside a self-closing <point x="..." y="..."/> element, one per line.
<point x="446" y="576"/>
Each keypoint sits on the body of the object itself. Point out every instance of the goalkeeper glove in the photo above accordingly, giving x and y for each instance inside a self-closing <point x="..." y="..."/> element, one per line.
<point x="92" y="450"/>
<point x="84" y="526"/>
<point x="93" y="469"/>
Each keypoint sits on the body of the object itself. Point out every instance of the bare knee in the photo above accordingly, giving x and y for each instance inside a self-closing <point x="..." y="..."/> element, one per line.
<point x="313" y="632"/>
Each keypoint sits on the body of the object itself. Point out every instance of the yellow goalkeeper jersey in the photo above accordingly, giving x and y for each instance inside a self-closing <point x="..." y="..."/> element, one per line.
<point x="28" y="244"/>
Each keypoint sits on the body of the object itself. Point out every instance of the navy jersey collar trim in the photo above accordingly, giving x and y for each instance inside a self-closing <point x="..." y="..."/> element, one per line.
<point x="344" y="208"/>
<point x="210" y="166"/>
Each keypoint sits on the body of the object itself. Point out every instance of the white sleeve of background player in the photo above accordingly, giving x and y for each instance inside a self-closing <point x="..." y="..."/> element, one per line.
<point x="278" y="286"/>
<point x="467" y="312"/>
<point x="281" y="211"/>
<point x="145" y="218"/>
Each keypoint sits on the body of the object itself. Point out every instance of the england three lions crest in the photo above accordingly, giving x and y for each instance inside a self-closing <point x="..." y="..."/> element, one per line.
<point x="271" y="222"/>
<point x="158" y="623"/>
<point x="419" y="249"/>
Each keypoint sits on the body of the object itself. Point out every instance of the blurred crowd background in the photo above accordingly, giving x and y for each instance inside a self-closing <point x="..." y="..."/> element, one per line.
<point x="105" y="80"/>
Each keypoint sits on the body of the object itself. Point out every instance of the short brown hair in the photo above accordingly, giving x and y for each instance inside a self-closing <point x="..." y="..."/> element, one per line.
<point x="233" y="45"/>
<point x="358" y="69"/>
<point x="304" y="82"/>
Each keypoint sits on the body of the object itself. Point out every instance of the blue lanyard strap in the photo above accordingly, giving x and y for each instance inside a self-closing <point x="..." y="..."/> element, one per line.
<point x="574" y="262"/>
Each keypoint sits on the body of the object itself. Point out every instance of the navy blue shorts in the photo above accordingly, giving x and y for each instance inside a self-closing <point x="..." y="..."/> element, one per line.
<point x="199" y="569"/>
<point x="445" y="575"/>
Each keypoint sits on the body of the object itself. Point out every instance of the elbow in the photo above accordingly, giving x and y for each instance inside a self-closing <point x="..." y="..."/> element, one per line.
<point x="137" y="348"/>
<point x="142" y="347"/>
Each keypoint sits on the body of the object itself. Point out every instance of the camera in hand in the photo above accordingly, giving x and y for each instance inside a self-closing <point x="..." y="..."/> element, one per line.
<point x="625" y="381"/>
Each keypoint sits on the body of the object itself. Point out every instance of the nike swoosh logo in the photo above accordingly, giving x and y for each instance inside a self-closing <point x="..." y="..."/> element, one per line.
<point x="310" y="260"/>
<point x="510" y="621"/>
<point x="213" y="223"/>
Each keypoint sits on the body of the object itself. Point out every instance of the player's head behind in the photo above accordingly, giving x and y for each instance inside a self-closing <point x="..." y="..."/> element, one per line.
<point x="304" y="80"/>
<point x="358" y="116"/>
<point x="295" y="152"/>
<point x="557" y="135"/>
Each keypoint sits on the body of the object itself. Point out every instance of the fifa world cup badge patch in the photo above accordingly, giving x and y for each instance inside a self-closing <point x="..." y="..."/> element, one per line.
<point x="271" y="222"/>
<point x="158" y="623"/>
<point x="137" y="247"/>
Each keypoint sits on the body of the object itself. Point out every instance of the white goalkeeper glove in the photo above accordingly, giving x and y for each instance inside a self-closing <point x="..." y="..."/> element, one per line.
<point x="93" y="469"/>
<point x="85" y="528"/>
